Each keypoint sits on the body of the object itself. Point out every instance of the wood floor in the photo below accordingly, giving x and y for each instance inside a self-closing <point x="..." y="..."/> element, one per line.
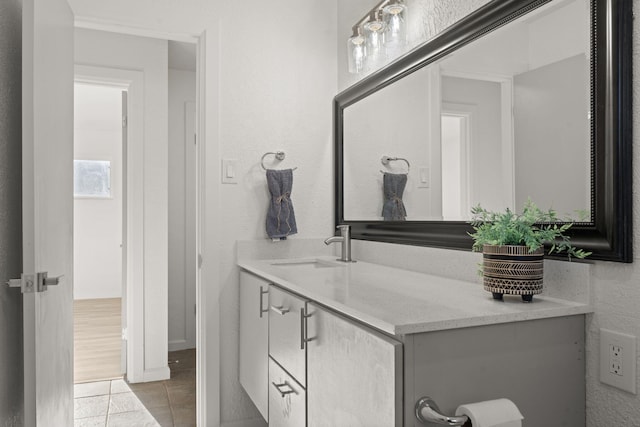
<point x="97" y="339"/>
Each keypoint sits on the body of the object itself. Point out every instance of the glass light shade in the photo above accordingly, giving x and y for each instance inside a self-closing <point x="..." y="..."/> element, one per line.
<point x="356" y="50"/>
<point x="394" y="17"/>
<point x="374" y="37"/>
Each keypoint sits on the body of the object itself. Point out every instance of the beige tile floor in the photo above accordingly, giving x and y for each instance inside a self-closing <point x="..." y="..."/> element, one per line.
<point x="115" y="403"/>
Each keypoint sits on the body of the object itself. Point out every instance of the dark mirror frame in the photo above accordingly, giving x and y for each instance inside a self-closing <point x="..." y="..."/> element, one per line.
<point x="609" y="235"/>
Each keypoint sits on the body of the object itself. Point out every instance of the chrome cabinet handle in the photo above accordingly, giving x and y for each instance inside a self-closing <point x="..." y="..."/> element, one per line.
<point x="302" y="318"/>
<point x="303" y="329"/>
<point x="262" y="293"/>
<point x="279" y="387"/>
<point x="280" y="310"/>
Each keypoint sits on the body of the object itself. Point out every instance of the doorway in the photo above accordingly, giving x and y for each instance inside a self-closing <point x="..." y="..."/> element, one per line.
<point x="98" y="232"/>
<point x="455" y="148"/>
<point x="175" y="396"/>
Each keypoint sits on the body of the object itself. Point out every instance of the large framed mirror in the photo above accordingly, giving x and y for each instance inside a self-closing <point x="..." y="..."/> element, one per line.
<point x="521" y="99"/>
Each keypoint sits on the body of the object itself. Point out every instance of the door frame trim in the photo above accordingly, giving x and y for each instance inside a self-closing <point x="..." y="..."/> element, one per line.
<point x="202" y="375"/>
<point x="208" y="410"/>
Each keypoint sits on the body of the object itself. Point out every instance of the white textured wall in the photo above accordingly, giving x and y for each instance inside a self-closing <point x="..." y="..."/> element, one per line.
<point x="276" y="86"/>
<point x="97" y="222"/>
<point x="111" y="50"/>
<point x="11" y="368"/>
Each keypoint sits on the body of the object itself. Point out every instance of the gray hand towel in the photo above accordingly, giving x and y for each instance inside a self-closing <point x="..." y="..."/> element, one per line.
<point x="281" y="220"/>
<point x="393" y="187"/>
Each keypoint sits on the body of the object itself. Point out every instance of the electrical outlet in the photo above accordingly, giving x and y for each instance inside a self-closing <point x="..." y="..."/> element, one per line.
<point x="615" y="351"/>
<point x="618" y="360"/>
<point x="615" y="367"/>
<point x="615" y="360"/>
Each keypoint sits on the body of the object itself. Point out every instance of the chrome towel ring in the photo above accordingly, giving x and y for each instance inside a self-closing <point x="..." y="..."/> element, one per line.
<point x="385" y="160"/>
<point x="279" y="155"/>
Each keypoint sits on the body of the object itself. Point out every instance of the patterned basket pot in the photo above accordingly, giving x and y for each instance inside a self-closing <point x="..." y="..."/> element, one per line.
<point x="512" y="270"/>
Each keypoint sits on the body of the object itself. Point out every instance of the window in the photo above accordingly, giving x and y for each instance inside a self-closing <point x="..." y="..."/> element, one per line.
<point x="92" y="178"/>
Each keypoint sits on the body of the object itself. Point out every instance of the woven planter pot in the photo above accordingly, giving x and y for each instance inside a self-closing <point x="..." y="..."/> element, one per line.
<point x="512" y="270"/>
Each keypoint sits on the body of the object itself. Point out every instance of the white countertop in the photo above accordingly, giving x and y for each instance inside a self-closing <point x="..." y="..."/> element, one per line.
<point x="402" y="302"/>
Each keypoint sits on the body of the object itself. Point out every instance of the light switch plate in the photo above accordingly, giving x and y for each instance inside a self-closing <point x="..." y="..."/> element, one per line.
<point x="618" y="360"/>
<point x="229" y="171"/>
<point x="424" y="177"/>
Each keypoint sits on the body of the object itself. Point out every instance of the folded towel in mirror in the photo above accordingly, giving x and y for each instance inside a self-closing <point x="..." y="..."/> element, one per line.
<point x="393" y="187"/>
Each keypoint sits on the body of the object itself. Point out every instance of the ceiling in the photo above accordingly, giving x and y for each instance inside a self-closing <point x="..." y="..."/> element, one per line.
<point x="182" y="56"/>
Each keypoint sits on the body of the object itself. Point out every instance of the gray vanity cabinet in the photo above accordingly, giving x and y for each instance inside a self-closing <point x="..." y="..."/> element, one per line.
<point x="254" y="339"/>
<point x="538" y="364"/>
<point x="354" y="374"/>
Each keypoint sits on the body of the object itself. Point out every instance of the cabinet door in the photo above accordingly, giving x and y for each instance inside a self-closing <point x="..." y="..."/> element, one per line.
<point x="354" y="374"/>
<point x="286" y="332"/>
<point x="254" y="339"/>
<point x="286" y="399"/>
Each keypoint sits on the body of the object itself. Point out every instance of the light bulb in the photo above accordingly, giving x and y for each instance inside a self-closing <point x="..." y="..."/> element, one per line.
<point x="356" y="50"/>
<point x="395" y="20"/>
<point x="374" y="38"/>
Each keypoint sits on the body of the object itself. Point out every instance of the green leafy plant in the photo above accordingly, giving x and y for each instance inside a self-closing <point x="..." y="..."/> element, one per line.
<point x="532" y="228"/>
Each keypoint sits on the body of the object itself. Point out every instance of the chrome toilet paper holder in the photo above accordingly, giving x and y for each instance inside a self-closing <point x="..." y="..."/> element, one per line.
<point x="427" y="411"/>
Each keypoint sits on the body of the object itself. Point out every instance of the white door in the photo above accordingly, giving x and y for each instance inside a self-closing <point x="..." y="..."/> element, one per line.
<point x="47" y="209"/>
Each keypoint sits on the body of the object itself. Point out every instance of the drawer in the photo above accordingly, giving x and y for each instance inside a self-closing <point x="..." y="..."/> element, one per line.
<point x="287" y="399"/>
<point x="286" y="332"/>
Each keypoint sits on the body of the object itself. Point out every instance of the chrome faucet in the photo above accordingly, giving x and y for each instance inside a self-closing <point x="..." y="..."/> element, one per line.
<point x="345" y="239"/>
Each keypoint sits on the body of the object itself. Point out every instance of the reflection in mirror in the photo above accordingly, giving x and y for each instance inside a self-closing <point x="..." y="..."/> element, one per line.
<point x="503" y="119"/>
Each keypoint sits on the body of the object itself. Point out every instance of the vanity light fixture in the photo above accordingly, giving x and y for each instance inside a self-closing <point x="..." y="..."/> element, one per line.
<point x="379" y="36"/>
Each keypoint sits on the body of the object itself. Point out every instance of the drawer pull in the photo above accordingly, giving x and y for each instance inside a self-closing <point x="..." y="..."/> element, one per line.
<point x="280" y="310"/>
<point x="262" y="293"/>
<point x="282" y="392"/>
<point x="303" y="329"/>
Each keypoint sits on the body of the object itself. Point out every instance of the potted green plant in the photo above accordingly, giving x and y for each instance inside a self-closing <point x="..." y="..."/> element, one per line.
<point x="513" y="248"/>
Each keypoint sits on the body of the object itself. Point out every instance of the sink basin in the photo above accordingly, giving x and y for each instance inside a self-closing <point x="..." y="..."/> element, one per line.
<point x="305" y="263"/>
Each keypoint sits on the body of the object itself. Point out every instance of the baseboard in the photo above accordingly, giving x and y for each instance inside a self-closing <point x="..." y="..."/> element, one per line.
<point x="156" y="374"/>
<point x="256" y="422"/>
<point x="178" y="345"/>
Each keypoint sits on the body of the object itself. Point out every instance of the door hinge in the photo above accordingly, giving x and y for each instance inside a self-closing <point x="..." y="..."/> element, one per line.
<point x="124" y="121"/>
<point x="33" y="282"/>
<point x="124" y="334"/>
<point x="199" y="260"/>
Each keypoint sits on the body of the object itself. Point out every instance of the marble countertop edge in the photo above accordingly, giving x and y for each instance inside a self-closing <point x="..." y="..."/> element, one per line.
<point x="474" y="306"/>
